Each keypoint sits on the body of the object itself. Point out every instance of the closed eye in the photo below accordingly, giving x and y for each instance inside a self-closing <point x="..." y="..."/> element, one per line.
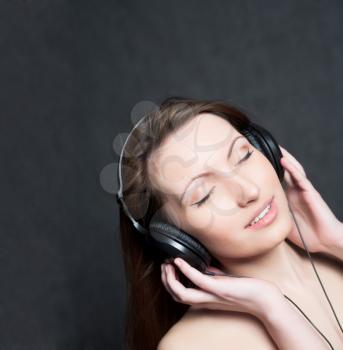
<point x="246" y="156"/>
<point x="203" y="200"/>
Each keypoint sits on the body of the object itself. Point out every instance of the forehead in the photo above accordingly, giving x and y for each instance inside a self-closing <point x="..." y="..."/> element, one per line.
<point x="187" y="150"/>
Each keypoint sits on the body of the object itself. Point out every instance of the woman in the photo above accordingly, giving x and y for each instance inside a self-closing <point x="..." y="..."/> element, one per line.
<point x="185" y="137"/>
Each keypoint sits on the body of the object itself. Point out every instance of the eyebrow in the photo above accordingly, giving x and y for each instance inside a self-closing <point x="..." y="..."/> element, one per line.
<point x="206" y="173"/>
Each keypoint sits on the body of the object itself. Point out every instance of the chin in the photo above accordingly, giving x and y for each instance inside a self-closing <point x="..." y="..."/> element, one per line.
<point x="279" y="230"/>
<point x="284" y="222"/>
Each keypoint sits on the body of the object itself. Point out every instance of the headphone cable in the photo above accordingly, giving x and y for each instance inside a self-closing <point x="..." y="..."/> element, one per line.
<point x="327" y="297"/>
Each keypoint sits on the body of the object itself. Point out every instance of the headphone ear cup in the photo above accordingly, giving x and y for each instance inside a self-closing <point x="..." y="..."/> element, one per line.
<point x="173" y="242"/>
<point x="263" y="140"/>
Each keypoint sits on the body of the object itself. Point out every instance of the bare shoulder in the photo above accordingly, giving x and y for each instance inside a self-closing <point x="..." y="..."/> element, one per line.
<point x="217" y="330"/>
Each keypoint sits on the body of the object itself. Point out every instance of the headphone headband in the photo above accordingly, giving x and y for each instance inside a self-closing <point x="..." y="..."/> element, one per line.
<point x="172" y="241"/>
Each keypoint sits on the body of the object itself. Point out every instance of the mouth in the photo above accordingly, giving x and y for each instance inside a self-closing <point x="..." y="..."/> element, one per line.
<point x="265" y="216"/>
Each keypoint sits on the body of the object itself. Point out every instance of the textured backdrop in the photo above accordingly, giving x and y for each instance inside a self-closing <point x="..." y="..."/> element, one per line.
<point x="71" y="72"/>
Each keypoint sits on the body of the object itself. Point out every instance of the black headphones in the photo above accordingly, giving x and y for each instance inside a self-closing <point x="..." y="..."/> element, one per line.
<point x="173" y="242"/>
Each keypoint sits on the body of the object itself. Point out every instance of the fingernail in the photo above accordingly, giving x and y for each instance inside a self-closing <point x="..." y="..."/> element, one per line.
<point x="177" y="261"/>
<point x="209" y="273"/>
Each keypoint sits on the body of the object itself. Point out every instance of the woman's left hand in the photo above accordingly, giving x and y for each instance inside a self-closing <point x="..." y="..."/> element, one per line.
<point x="319" y="227"/>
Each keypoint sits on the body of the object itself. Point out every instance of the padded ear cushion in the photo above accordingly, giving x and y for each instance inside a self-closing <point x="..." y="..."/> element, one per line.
<point x="263" y="140"/>
<point x="162" y="231"/>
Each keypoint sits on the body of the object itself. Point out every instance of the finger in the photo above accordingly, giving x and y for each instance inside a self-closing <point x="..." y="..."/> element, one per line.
<point x="293" y="160"/>
<point x="207" y="283"/>
<point x="288" y="178"/>
<point x="165" y="283"/>
<point x="170" y="276"/>
<point x="283" y="151"/>
<point x="288" y="160"/>
<point x="285" y="161"/>
<point x="218" y="272"/>
<point x="298" y="177"/>
<point x="288" y="171"/>
<point x="214" y="269"/>
<point x="163" y="277"/>
<point x="188" y="295"/>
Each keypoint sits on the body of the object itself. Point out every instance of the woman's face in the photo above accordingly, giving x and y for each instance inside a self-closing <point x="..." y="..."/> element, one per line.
<point x="236" y="187"/>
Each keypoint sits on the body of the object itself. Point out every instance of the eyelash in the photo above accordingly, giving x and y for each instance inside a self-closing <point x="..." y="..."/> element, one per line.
<point x="202" y="201"/>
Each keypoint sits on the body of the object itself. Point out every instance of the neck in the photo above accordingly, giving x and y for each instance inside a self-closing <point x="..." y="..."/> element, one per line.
<point x="282" y="265"/>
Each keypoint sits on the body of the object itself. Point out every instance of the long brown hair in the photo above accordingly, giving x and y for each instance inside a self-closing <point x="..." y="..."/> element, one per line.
<point x="150" y="309"/>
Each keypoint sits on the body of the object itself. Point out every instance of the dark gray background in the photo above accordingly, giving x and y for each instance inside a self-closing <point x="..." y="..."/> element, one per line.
<point x="71" y="72"/>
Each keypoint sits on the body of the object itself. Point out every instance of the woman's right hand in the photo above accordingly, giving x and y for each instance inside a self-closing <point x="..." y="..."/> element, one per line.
<point x="258" y="297"/>
<point x="220" y="292"/>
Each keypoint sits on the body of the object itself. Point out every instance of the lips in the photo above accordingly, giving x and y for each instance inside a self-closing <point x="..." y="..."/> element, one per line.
<point x="259" y="211"/>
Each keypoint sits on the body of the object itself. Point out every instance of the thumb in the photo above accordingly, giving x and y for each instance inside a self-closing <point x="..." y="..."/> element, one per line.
<point x="216" y="271"/>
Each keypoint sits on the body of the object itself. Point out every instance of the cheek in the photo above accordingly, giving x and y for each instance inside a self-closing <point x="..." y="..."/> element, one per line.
<point x="221" y="234"/>
<point x="284" y="221"/>
<point x="199" y="219"/>
<point x="215" y="213"/>
<point x="262" y="170"/>
<point x="217" y="223"/>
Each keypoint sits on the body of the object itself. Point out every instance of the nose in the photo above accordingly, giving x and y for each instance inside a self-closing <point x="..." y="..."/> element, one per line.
<point x="247" y="191"/>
